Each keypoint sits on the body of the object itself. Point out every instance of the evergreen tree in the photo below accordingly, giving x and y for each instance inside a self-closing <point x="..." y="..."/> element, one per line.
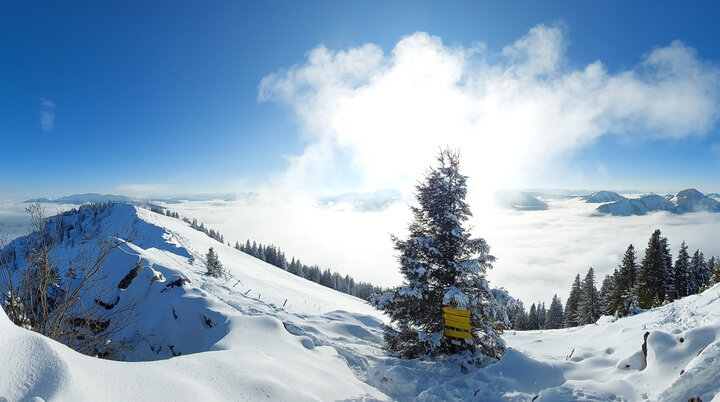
<point x="608" y="303"/>
<point x="214" y="267"/>
<point x="533" y="318"/>
<point x="520" y="318"/>
<point x="715" y="272"/>
<point x="628" y="269"/>
<point x="542" y="315"/>
<point x="442" y="266"/>
<point x="624" y="291"/>
<point x="681" y="272"/>
<point x="571" y="308"/>
<point x="654" y="272"/>
<point x="668" y="274"/>
<point x="699" y="273"/>
<point x="555" y="318"/>
<point x="589" y="302"/>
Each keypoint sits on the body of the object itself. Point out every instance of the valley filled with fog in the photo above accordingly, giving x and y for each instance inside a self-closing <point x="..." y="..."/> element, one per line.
<point x="538" y="252"/>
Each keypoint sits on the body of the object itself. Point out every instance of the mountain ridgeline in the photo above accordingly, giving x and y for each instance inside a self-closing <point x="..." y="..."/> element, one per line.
<point x="686" y="201"/>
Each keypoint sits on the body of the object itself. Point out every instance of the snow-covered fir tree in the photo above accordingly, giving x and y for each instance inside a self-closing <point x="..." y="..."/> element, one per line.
<point x="571" y="307"/>
<point x="533" y="322"/>
<point x="555" y="318"/>
<point x="589" y="301"/>
<point x="669" y="278"/>
<point x="625" y="292"/>
<point x="542" y="315"/>
<point x="214" y="267"/>
<point x="654" y="272"/>
<point x="608" y="293"/>
<point x="442" y="266"/>
<point x="715" y="278"/>
<point x="699" y="273"/>
<point x="519" y="317"/>
<point x="681" y="272"/>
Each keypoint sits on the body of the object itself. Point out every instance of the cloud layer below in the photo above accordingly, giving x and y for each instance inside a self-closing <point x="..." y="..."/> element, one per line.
<point x="538" y="252"/>
<point x="514" y="114"/>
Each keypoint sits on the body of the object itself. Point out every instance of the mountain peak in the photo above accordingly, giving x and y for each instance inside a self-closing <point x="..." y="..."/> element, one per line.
<point x="603" y="197"/>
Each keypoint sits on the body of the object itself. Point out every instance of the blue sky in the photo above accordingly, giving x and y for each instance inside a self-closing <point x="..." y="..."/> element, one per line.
<point x="164" y="97"/>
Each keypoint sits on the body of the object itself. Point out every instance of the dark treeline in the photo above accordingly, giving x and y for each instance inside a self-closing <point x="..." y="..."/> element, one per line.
<point x="274" y="256"/>
<point x="193" y="224"/>
<point x="631" y="288"/>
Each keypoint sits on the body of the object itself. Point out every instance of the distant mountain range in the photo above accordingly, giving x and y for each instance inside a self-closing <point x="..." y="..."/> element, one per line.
<point x="689" y="200"/>
<point x="686" y="201"/>
<point x="83" y="199"/>
<point x="79" y="199"/>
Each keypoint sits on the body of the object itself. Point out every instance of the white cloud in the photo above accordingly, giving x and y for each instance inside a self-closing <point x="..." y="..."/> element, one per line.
<point x="47" y="115"/>
<point x="384" y="116"/>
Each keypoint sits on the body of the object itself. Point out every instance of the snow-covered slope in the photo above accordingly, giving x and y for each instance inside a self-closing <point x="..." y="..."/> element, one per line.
<point x="275" y="336"/>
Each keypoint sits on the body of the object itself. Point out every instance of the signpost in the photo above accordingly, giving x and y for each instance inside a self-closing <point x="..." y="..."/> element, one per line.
<point x="457" y="323"/>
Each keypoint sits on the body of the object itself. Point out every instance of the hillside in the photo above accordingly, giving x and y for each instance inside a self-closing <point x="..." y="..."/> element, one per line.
<point x="266" y="334"/>
<point x="249" y="353"/>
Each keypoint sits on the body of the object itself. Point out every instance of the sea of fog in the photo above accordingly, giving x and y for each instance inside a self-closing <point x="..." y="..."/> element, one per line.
<point x="538" y="252"/>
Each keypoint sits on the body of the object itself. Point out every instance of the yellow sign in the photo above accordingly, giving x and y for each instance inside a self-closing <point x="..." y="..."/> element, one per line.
<point x="457" y="320"/>
<point x="450" y="310"/>
<point x="458" y="334"/>
<point x="451" y="317"/>
<point x="459" y="325"/>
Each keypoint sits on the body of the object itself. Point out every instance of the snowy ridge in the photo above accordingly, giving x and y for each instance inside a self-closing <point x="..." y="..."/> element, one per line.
<point x="256" y="355"/>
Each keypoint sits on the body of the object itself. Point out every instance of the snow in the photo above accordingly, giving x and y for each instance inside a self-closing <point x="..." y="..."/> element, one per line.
<point x="275" y="336"/>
